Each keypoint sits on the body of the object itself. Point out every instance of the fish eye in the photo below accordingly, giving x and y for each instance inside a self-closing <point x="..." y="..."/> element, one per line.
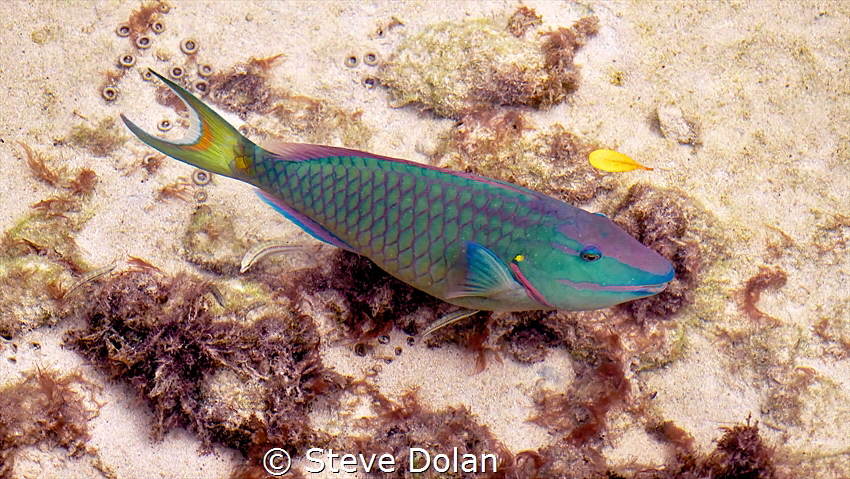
<point x="590" y="254"/>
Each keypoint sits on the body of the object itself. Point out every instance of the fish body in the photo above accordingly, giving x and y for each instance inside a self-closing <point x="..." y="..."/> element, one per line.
<point x="476" y="242"/>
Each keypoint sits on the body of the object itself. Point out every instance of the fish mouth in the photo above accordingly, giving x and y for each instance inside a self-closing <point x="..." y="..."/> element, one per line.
<point x="642" y="290"/>
<point x="651" y="289"/>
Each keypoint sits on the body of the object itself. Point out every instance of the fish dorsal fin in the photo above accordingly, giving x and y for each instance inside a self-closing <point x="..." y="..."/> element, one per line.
<point x="486" y="276"/>
<point x="304" y="151"/>
<point x="304" y="222"/>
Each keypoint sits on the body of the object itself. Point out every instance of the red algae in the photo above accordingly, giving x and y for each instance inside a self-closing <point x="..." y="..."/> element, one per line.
<point x="750" y="295"/>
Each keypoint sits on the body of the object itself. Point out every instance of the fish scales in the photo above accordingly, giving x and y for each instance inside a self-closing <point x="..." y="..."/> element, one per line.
<point x="475" y="242"/>
<point x="401" y="216"/>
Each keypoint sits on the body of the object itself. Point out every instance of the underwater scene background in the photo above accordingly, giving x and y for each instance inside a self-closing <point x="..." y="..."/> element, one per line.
<point x="132" y="344"/>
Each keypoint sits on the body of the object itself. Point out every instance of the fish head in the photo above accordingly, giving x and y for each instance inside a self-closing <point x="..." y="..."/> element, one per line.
<point x="587" y="262"/>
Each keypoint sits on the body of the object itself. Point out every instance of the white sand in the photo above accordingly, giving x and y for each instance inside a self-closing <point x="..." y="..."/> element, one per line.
<point x="766" y="81"/>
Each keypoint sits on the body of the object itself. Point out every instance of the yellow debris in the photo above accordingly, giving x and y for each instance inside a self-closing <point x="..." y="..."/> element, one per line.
<point x="614" y="162"/>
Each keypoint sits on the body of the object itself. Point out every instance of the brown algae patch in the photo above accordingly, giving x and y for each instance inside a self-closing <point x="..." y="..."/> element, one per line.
<point x="503" y="146"/>
<point x="580" y="414"/>
<point x="142" y="20"/>
<point x="456" y="68"/>
<point x="740" y="453"/>
<point x="45" y="409"/>
<point x="396" y="427"/>
<point x="522" y="19"/>
<point x="680" y="229"/>
<point x="363" y="300"/>
<point x="832" y="331"/>
<point x="80" y="182"/>
<point x="750" y="295"/>
<point x="248" y="373"/>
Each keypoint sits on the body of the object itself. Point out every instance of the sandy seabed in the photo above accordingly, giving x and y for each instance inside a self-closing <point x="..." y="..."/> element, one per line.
<point x="765" y="83"/>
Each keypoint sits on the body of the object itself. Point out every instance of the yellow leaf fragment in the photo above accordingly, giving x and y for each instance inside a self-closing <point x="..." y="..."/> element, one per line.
<point x="614" y="162"/>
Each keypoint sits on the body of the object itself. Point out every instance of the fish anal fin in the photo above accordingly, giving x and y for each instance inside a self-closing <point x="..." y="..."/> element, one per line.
<point x="304" y="222"/>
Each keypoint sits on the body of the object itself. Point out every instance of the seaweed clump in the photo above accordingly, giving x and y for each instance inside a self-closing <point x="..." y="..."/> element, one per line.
<point x="244" y="88"/>
<point x="553" y="161"/>
<point x="741" y="453"/>
<point x="579" y="415"/>
<point x="78" y="183"/>
<point x="230" y="380"/>
<point x="674" y="225"/>
<point x="456" y="68"/>
<point x="365" y="301"/>
<point x="397" y="427"/>
<point x="522" y="19"/>
<point x="45" y="408"/>
<point x="140" y="21"/>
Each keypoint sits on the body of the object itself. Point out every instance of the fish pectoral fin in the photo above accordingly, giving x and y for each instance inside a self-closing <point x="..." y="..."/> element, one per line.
<point x="304" y="222"/>
<point x="486" y="276"/>
<point x="448" y="319"/>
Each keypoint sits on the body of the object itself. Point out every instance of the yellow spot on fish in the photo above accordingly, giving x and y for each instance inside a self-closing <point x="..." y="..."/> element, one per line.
<point x="519" y="258"/>
<point x="240" y="158"/>
<point x="241" y="163"/>
<point x="614" y="162"/>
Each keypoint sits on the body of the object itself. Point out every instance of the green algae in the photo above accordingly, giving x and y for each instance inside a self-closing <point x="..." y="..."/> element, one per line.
<point x="102" y="139"/>
<point x="211" y="241"/>
<point x="48" y="234"/>
<point x="441" y="66"/>
<point x="456" y="68"/>
<point x="395" y="427"/>
<point x="39" y="259"/>
<point x="31" y="286"/>
<point x="668" y="345"/>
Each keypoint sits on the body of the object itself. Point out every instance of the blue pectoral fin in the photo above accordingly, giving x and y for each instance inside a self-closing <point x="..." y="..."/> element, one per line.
<point x="486" y="276"/>
<point x="304" y="222"/>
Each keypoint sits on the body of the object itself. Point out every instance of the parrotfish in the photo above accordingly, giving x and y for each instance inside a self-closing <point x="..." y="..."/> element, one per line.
<point x="475" y="242"/>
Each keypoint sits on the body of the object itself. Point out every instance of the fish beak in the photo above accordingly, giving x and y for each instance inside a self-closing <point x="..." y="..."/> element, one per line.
<point x="651" y="289"/>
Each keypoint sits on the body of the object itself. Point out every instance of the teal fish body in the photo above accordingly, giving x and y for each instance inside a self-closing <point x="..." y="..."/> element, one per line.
<point x="475" y="242"/>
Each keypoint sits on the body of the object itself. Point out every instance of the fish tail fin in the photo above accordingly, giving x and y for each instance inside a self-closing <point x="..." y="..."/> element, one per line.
<point x="211" y="143"/>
